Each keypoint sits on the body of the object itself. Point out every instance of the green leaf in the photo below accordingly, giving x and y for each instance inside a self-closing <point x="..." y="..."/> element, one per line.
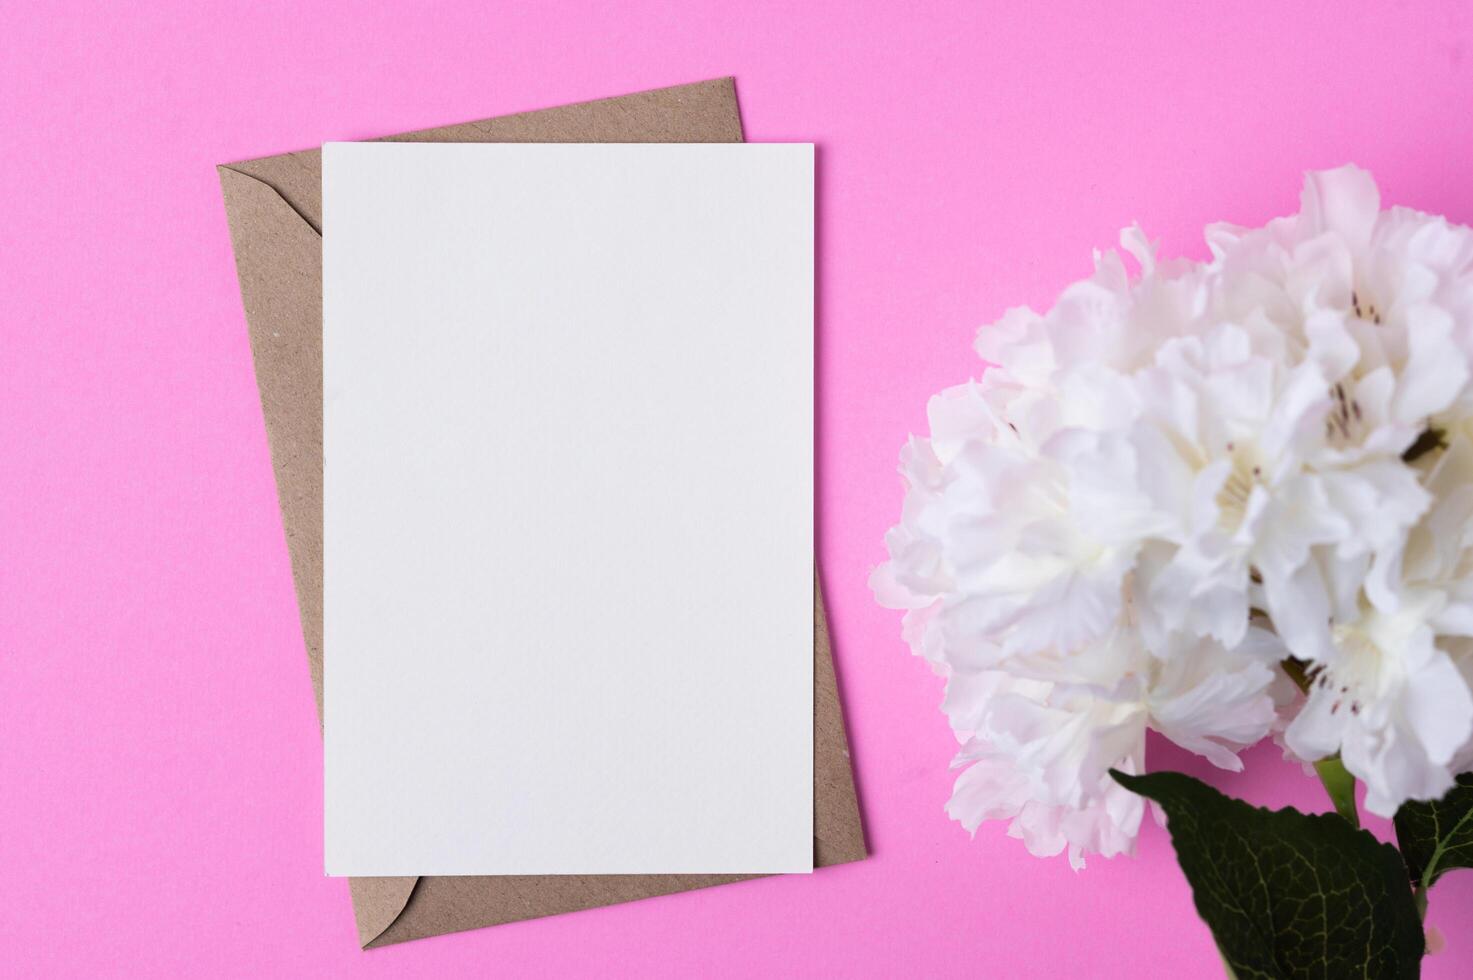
<point x="1437" y="837"/>
<point x="1340" y="786"/>
<point x="1288" y="894"/>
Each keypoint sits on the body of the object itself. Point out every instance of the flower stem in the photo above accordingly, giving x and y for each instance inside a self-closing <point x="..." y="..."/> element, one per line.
<point x="1298" y="672"/>
<point x="1340" y="785"/>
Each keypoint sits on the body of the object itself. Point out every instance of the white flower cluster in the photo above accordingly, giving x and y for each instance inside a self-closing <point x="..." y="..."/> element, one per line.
<point x="1173" y="490"/>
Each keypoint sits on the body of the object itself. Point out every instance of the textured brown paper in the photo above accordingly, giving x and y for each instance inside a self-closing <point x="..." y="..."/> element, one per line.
<point x="274" y="206"/>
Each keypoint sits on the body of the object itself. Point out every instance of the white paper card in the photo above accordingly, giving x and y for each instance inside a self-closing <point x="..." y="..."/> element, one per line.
<point x="568" y="426"/>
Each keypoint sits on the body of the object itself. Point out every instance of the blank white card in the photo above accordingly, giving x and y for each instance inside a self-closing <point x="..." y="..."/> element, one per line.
<point x="568" y="514"/>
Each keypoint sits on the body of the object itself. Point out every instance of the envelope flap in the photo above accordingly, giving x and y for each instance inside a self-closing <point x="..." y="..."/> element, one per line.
<point x="377" y="902"/>
<point x="838" y="834"/>
<point x="278" y="259"/>
<point x="705" y="111"/>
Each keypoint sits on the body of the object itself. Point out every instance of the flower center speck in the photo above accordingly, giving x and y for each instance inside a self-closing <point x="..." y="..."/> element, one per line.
<point x="1232" y="498"/>
<point x="1365" y="308"/>
<point x="1343" y="424"/>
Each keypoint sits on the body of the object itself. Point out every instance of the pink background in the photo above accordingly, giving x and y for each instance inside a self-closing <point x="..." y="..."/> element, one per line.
<point x="160" y="765"/>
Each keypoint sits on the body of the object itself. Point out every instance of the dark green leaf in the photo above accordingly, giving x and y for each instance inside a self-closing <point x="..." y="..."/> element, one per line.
<point x="1437" y="837"/>
<point x="1288" y="894"/>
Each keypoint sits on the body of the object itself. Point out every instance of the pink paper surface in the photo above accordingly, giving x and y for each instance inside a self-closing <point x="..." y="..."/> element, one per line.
<point x="160" y="762"/>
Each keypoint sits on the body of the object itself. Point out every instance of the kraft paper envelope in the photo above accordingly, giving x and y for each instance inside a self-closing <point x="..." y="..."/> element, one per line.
<point x="273" y="205"/>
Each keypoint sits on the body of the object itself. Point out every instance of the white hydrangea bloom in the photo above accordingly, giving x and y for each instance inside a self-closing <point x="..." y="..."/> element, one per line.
<point x="1392" y="698"/>
<point x="1166" y="485"/>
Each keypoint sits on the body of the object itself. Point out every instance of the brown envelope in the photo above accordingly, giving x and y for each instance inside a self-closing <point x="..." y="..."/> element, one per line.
<point x="274" y="206"/>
